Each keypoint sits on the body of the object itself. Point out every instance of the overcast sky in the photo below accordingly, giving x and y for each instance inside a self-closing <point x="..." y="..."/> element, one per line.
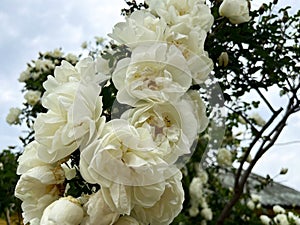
<point x="31" y="26"/>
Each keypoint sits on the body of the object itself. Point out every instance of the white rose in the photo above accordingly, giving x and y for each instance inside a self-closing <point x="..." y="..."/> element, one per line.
<point x="25" y="75"/>
<point x="65" y="211"/>
<point x="126" y="220"/>
<point x="140" y="26"/>
<point x="196" y="188"/>
<point x="255" y="198"/>
<point x="71" y="58"/>
<point x="193" y="211"/>
<point x="75" y="107"/>
<point x="237" y="11"/>
<point x="56" y="53"/>
<point x="13" y="116"/>
<point x="278" y="209"/>
<point x="155" y="72"/>
<point x="281" y="219"/>
<point x="29" y="158"/>
<point x="224" y="157"/>
<point x="167" y="208"/>
<point x="32" y="97"/>
<point x="35" y="75"/>
<point x="193" y="13"/>
<point x="202" y="174"/>
<point x="98" y="212"/>
<point x="265" y="219"/>
<point x="293" y="217"/>
<point x="207" y="213"/>
<point x="37" y="188"/>
<point x="123" y="154"/>
<point x="251" y="205"/>
<point x="173" y="126"/>
<point x="43" y="65"/>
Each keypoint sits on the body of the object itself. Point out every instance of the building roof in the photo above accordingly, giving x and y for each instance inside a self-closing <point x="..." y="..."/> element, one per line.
<point x="273" y="194"/>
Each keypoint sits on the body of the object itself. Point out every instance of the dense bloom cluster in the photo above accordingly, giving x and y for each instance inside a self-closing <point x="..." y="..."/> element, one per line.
<point x="281" y="217"/>
<point x="129" y="167"/>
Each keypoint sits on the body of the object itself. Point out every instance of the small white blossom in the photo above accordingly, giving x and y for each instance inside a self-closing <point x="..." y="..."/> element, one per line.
<point x="224" y="157"/>
<point x="278" y="209"/>
<point x="265" y="219"/>
<point x="84" y="45"/>
<point x="207" y="214"/>
<point x="25" y="75"/>
<point x="71" y="58"/>
<point x="251" y="205"/>
<point x="255" y="198"/>
<point x="293" y="217"/>
<point x="195" y="188"/>
<point x="13" y="116"/>
<point x="281" y="219"/>
<point x="237" y="11"/>
<point x="193" y="211"/>
<point x="44" y="65"/>
<point x="32" y="97"/>
<point x="56" y="53"/>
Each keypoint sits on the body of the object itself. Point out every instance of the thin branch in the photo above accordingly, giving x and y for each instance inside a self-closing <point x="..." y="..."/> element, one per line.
<point x="255" y="140"/>
<point x="245" y="118"/>
<point x="270" y="140"/>
<point x="265" y="100"/>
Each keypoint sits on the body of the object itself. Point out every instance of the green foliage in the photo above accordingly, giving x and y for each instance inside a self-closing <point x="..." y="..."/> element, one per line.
<point x="8" y="180"/>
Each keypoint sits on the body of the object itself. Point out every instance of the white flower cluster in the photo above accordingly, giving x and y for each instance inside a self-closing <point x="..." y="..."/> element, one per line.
<point x="130" y="161"/>
<point x="47" y="61"/>
<point x="197" y="191"/>
<point x="282" y="217"/>
<point x="254" y="202"/>
<point x="224" y="157"/>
